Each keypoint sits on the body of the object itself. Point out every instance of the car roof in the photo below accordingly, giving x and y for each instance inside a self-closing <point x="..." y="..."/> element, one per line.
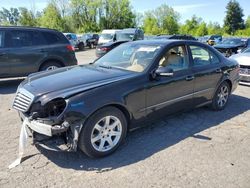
<point x="129" y="30"/>
<point x="27" y="28"/>
<point x="163" y="42"/>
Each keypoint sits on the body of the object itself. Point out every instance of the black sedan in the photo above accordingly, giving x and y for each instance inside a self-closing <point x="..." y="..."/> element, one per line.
<point x="93" y="106"/>
<point x="105" y="48"/>
<point x="230" y="46"/>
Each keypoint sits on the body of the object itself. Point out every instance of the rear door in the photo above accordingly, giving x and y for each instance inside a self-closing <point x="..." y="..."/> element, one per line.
<point x="4" y="64"/>
<point x="26" y="50"/>
<point x="207" y="72"/>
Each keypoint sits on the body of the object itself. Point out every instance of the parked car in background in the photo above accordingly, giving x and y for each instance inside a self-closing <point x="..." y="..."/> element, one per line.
<point x="130" y="34"/>
<point x="244" y="61"/>
<point x="149" y="37"/>
<point x="90" y="39"/>
<point x="125" y="35"/>
<point x="108" y="35"/>
<point x="177" y="37"/>
<point x="246" y="42"/>
<point x="230" y="46"/>
<point x="25" y="50"/>
<point x="105" y="48"/>
<point x="75" y="41"/>
<point x="211" y="39"/>
<point x="93" y="106"/>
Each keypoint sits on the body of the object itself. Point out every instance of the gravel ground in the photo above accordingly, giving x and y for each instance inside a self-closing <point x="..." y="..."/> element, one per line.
<point x="201" y="148"/>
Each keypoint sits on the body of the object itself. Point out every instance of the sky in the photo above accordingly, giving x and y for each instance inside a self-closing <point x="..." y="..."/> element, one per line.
<point x="208" y="10"/>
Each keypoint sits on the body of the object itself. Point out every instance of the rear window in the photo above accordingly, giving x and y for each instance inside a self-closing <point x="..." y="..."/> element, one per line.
<point x="54" y="38"/>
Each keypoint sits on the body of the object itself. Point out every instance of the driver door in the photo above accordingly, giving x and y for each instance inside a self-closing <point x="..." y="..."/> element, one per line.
<point x="166" y="95"/>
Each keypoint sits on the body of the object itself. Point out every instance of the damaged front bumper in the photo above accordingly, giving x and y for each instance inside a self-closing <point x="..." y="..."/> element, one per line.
<point x="44" y="130"/>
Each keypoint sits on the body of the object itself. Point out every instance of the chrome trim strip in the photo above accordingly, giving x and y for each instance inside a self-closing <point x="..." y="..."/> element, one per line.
<point x="176" y="99"/>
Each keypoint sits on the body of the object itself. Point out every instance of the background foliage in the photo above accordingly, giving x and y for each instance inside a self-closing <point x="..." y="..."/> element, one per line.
<point x="95" y="15"/>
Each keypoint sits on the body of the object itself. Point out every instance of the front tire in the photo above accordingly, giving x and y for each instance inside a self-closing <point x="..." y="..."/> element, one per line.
<point x="103" y="132"/>
<point x="221" y="96"/>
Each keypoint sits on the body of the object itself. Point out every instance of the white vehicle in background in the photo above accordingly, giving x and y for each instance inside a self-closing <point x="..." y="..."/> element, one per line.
<point x="108" y="35"/>
<point x="244" y="61"/>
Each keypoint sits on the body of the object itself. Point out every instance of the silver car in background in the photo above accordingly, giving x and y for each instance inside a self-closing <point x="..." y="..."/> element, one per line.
<point x="243" y="59"/>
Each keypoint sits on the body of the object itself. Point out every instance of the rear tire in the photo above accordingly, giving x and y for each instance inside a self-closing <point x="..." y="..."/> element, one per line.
<point x="50" y="66"/>
<point x="91" y="45"/>
<point x="103" y="132"/>
<point x="221" y="96"/>
<point x="81" y="46"/>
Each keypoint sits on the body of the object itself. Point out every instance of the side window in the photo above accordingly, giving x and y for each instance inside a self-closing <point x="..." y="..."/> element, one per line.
<point x="1" y="39"/>
<point x="200" y="56"/>
<point x="51" y="38"/>
<point x="214" y="59"/>
<point x="18" y="38"/>
<point x="203" y="57"/>
<point x="38" y="39"/>
<point x="175" y="58"/>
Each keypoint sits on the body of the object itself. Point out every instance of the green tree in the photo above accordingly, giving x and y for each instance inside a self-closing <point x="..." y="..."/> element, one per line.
<point x="215" y="28"/>
<point x="150" y="24"/>
<point x="234" y="17"/>
<point x="27" y="18"/>
<point x="161" y="20"/>
<point x="202" y="29"/>
<point x="116" y="14"/>
<point x="248" y="22"/>
<point x="9" y="17"/>
<point x="191" y="26"/>
<point x="51" y="18"/>
<point x="84" y="14"/>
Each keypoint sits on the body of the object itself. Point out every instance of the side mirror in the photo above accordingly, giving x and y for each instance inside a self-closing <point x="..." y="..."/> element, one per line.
<point x="164" y="71"/>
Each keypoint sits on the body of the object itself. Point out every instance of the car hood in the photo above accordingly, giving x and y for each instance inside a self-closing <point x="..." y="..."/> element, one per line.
<point x="65" y="82"/>
<point x="242" y="58"/>
<point x="225" y="46"/>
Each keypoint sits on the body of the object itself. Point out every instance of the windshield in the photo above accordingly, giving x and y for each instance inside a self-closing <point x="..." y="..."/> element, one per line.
<point x="87" y="36"/>
<point x="125" y="36"/>
<point x="231" y="41"/>
<point x="132" y="57"/>
<point x="107" y="36"/>
<point x="246" y="50"/>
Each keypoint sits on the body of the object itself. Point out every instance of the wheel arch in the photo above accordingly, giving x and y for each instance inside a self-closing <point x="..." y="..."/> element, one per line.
<point x="51" y="60"/>
<point x="122" y="108"/>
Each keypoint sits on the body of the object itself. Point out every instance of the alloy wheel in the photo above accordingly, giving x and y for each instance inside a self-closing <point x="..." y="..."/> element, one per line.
<point x="106" y="133"/>
<point x="223" y="95"/>
<point x="51" y="68"/>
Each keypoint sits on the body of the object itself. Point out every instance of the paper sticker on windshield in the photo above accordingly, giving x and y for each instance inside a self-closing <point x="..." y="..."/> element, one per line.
<point x="148" y="49"/>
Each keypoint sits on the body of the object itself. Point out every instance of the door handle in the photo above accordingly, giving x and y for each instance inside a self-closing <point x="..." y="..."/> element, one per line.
<point x="218" y="70"/>
<point x="189" y="78"/>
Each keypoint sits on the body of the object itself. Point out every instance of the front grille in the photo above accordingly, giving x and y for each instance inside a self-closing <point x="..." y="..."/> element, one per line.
<point x="23" y="100"/>
<point x="244" y="69"/>
<point x="245" y="66"/>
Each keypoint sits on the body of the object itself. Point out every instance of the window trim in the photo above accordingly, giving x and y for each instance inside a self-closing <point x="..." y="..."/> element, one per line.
<point x="210" y="52"/>
<point x="187" y="54"/>
<point x="3" y="39"/>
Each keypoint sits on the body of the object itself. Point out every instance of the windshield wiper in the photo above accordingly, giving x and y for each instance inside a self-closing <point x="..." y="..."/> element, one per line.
<point x="105" y="66"/>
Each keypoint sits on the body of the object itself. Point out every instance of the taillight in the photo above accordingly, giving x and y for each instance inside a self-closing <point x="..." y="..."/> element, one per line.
<point x="70" y="48"/>
<point x="105" y="49"/>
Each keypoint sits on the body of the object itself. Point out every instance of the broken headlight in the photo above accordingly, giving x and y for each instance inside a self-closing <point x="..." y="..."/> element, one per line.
<point x="53" y="108"/>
